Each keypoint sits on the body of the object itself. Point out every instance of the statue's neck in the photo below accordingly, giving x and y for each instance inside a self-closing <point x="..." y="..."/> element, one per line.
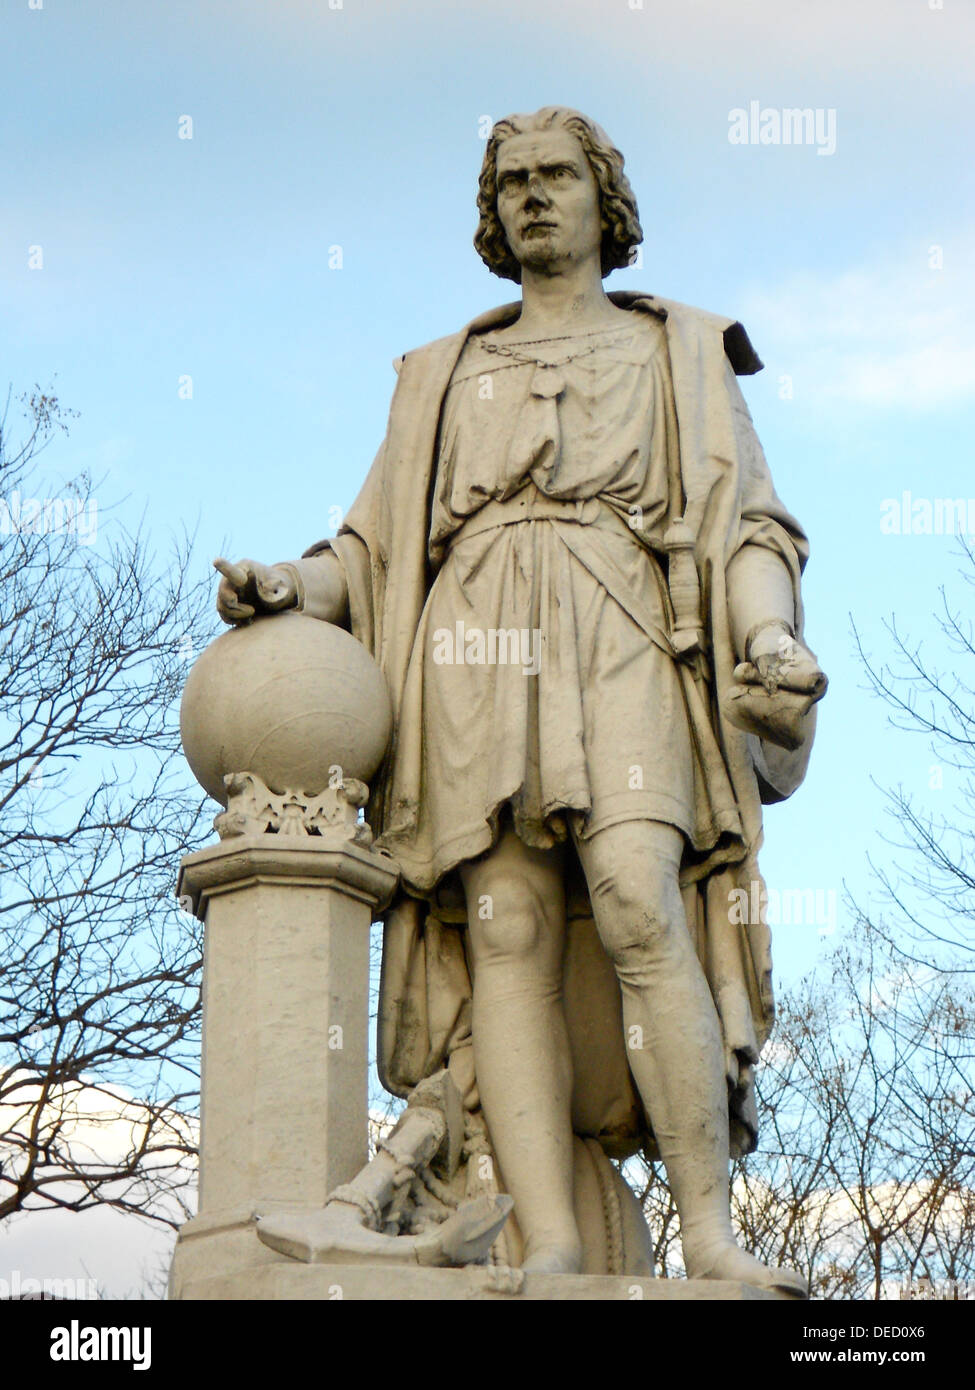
<point x="568" y="301"/>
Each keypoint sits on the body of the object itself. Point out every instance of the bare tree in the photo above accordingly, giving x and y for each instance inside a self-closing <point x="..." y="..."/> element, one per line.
<point x="868" y="1161"/>
<point x="931" y="696"/>
<point x="866" y="1175"/>
<point x="864" y="1179"/>
<point x="99" y="970"/>
<point x="649" y="1182"/>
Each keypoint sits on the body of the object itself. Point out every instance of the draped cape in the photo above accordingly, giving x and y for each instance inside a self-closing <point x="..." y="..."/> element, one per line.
<point x="728" y="501"/>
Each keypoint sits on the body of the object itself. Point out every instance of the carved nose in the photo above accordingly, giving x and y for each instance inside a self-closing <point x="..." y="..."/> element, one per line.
<point x="536" y="191"/>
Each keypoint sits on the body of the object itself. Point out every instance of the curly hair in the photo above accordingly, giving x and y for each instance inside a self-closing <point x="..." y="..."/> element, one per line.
<point x="617" y="204"/>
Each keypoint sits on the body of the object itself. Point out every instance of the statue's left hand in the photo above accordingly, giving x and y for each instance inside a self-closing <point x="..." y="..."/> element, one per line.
<point x="776" y="689"/>
<point x="777" y="661"/>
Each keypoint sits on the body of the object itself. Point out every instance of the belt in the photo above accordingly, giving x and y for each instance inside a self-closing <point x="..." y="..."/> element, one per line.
<point x="532" y="505"/>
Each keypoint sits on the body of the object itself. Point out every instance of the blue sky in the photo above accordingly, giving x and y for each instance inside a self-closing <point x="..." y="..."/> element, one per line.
<point x="360" y="128"/>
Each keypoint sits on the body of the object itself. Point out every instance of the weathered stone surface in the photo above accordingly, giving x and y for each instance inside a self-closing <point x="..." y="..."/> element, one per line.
<point x="298" y="703"/>
<point x="285" y="1018"/>
<point x="384" y="1284"/>
<point x="583" y="591"/>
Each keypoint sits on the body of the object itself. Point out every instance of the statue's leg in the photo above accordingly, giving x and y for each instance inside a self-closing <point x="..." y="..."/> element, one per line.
<point x="516" y="917"/>
<point x="673" y="1037"/>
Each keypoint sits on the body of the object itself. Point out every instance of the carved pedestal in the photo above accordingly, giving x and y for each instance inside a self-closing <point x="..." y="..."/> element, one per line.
<point x="293" y="1282"/>
<point x="287" y="898"/>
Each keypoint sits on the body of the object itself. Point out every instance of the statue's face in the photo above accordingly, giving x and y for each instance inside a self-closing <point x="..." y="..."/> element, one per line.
<point x="548" y="200"/>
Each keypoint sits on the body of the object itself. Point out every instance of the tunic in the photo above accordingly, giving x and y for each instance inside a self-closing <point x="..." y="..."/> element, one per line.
<point x="542" y="674"/>
<point x="391" y="561"/>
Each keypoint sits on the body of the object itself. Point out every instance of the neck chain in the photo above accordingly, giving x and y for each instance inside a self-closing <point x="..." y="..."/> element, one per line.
<point x="531" y="359"/>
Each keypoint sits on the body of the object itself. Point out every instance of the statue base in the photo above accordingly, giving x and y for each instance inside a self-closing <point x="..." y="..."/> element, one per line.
<point x="285" y="1024"/>
<point x="395" y="1283"/>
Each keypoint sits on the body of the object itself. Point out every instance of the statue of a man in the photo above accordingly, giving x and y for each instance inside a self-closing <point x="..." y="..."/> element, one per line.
<point x="571" y="563"/>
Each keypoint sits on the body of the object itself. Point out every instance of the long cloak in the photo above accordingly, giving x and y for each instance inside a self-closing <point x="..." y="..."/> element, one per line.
<point x="729" y="500"/>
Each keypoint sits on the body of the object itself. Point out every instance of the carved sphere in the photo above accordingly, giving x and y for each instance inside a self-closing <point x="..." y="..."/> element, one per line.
<point x="288" y="698"/>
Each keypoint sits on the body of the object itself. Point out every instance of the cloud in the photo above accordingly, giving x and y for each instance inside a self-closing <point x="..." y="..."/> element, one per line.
<point x="95" y="1124"/>
<point x="101" y="1253"/>
<point x="892" y="335"/>
<point x="828" y="35"/>
<point x="104" y="1252"/>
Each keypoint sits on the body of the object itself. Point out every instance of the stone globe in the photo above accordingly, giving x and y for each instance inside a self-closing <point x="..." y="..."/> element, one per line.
<point x="288" y="698"/>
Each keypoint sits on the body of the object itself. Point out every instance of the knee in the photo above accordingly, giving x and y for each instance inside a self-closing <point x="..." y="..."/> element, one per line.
<point x="508" y="919"/>
<point x="640" y="919"/>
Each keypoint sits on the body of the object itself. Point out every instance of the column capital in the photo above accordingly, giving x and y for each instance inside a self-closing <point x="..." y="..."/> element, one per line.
<point x="326" y="860"/>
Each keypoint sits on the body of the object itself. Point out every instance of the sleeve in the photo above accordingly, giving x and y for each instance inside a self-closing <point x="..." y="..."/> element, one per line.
<point x="767" y="526"/>
<point x="765" y="521"/>
<point x="359" y="549"/>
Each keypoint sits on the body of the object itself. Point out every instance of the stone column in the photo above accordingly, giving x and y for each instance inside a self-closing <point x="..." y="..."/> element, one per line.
<point x="285" y="1028"/>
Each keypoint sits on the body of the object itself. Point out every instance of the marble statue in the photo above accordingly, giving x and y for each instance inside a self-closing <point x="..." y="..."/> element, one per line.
<point x="571" y="565"/>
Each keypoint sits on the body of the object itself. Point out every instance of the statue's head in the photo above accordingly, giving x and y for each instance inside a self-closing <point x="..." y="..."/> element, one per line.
<point x="551" y="184"/>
